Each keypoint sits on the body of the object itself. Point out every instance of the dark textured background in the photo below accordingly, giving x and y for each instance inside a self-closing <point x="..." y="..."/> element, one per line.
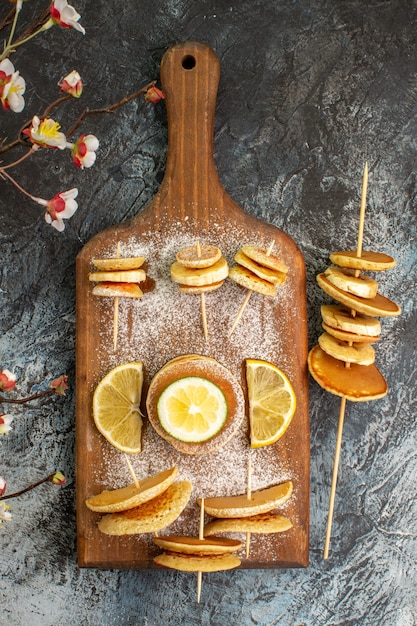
<point x="309" y="91"/>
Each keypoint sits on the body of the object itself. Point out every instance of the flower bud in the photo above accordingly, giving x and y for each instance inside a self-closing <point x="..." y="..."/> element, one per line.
<point x="72" y="84"/>
<point x="59" y="385"/>
<point x="58" y="479"/>
<point x="7" y="380"/>
<point x="154" y="95"/>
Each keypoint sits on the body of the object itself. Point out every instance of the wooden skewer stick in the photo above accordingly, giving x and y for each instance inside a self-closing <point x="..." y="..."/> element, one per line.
<point x="242" y="308"/>
<point x="116" y="309"/>
<point x="203" y="301"/>
<point x="248" y="295"/>
<point x="343" y="400"/>
<point x="200" y="536"/>
<point x="132" y="472"/>
<point x="249" y="496"/>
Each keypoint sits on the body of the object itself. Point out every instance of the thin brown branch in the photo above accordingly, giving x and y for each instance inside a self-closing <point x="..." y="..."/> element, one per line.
<point x="110" y="108"/>
<point x="8" y="19"/>
<point x="29" y="488"/>
<point x="56" y="103"/>
<point x="34" y="26"/>
<point x="35" y="396"/>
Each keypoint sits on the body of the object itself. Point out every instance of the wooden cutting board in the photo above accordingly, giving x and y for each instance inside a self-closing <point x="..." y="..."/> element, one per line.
<point x="191" y="204"/>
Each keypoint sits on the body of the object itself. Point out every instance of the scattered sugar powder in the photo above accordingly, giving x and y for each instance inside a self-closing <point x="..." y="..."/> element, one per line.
<point x="166" y="323"/>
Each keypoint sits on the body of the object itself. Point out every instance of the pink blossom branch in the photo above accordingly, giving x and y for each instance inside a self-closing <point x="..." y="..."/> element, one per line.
<point x="109" y="109"/>
<point x="57" y="386"/>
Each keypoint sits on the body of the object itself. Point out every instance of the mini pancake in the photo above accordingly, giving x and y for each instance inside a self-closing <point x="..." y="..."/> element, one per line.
<point x="194" y="545"/>
<point x="206" y="256"/>
<point x="363" y="286"/>
<point x="118" y="263"/>
<point x="360" y="353"/>
<point x="378" y="306"/>
<point x="369" y="261"/>
<point x="131" y="496"/>
<point x="261" y="256"/>
<point x="261" y="501"/>
<point x="248" y="279"/>
<point x="185" y="358"/>
<point x="193" y="563"/>
<point x="212" y="370"/>
<point x="339" y="317"/>
<point x="195" y="277"/>
<point x="342" y="335"/>
<point x="357" y="383"/>
<point x="200" y="289"/>
<point x="119" y="290"/>
<point x="272" y="276"/>
<point x="119" y="276"/>
<point x="151" y="516"/>
<point x="264" y="523"/>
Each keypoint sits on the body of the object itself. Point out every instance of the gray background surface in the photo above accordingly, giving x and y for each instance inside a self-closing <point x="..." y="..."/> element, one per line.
<point x="309" y="90"/>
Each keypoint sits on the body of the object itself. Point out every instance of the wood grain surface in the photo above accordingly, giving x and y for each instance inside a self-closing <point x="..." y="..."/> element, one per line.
<point x="190" y="204"/>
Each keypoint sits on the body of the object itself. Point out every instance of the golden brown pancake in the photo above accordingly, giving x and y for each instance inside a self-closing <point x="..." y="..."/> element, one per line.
<point x="370" y="261"/>
<point x="215" y="372"/>
<point x="357" y="383"/>
<point x="378" y="306"/>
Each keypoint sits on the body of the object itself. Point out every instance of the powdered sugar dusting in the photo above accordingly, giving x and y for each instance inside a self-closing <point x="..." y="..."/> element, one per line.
<point x="165" y="324"/>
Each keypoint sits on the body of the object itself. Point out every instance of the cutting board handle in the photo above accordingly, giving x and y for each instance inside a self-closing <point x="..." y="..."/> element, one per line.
<point x="190" y="74"/>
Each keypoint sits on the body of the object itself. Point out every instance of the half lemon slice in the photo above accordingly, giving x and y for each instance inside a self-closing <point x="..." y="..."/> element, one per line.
<point x="116" y="407"/>
<point x="192" y="409"/>
<point x="272" y="402"/>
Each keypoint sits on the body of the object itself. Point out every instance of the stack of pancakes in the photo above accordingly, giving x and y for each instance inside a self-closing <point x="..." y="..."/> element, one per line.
<point x="343" y="362"/>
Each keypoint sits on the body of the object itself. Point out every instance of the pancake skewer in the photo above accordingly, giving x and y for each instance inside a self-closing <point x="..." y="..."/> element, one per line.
<point x="248" y="294"/>
<point x="343" y="399"/>
<point x="199" y="269"/>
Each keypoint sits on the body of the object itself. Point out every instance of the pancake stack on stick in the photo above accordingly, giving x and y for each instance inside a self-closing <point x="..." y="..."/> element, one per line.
<point x="258" y="270"/>
<point x="239" y="514"/>
<point x="197" y="270"/>
<point x="197" y="554"/>
<point x="343" y="362"/>
<point x="118" y="278"/>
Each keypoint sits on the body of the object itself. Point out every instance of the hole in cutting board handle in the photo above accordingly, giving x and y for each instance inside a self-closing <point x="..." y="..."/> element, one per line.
<point x="188" y="62"/>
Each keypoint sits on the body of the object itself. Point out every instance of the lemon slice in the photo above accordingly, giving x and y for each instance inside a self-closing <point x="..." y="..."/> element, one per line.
<point x="272" y="402"/>
<point x="192" y="409"/>
<point x="116" y="407"/>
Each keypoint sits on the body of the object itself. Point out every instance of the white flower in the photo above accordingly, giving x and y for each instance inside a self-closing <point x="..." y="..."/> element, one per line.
<point x="46" y="133"/>
<point x="12" y="87"/>
<point x="65" y="15"/>
<point x="61" y="207"/>
<point x="84" y="151"/>
<point x="5" y="515"/>
<point x="5" y="421"/>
